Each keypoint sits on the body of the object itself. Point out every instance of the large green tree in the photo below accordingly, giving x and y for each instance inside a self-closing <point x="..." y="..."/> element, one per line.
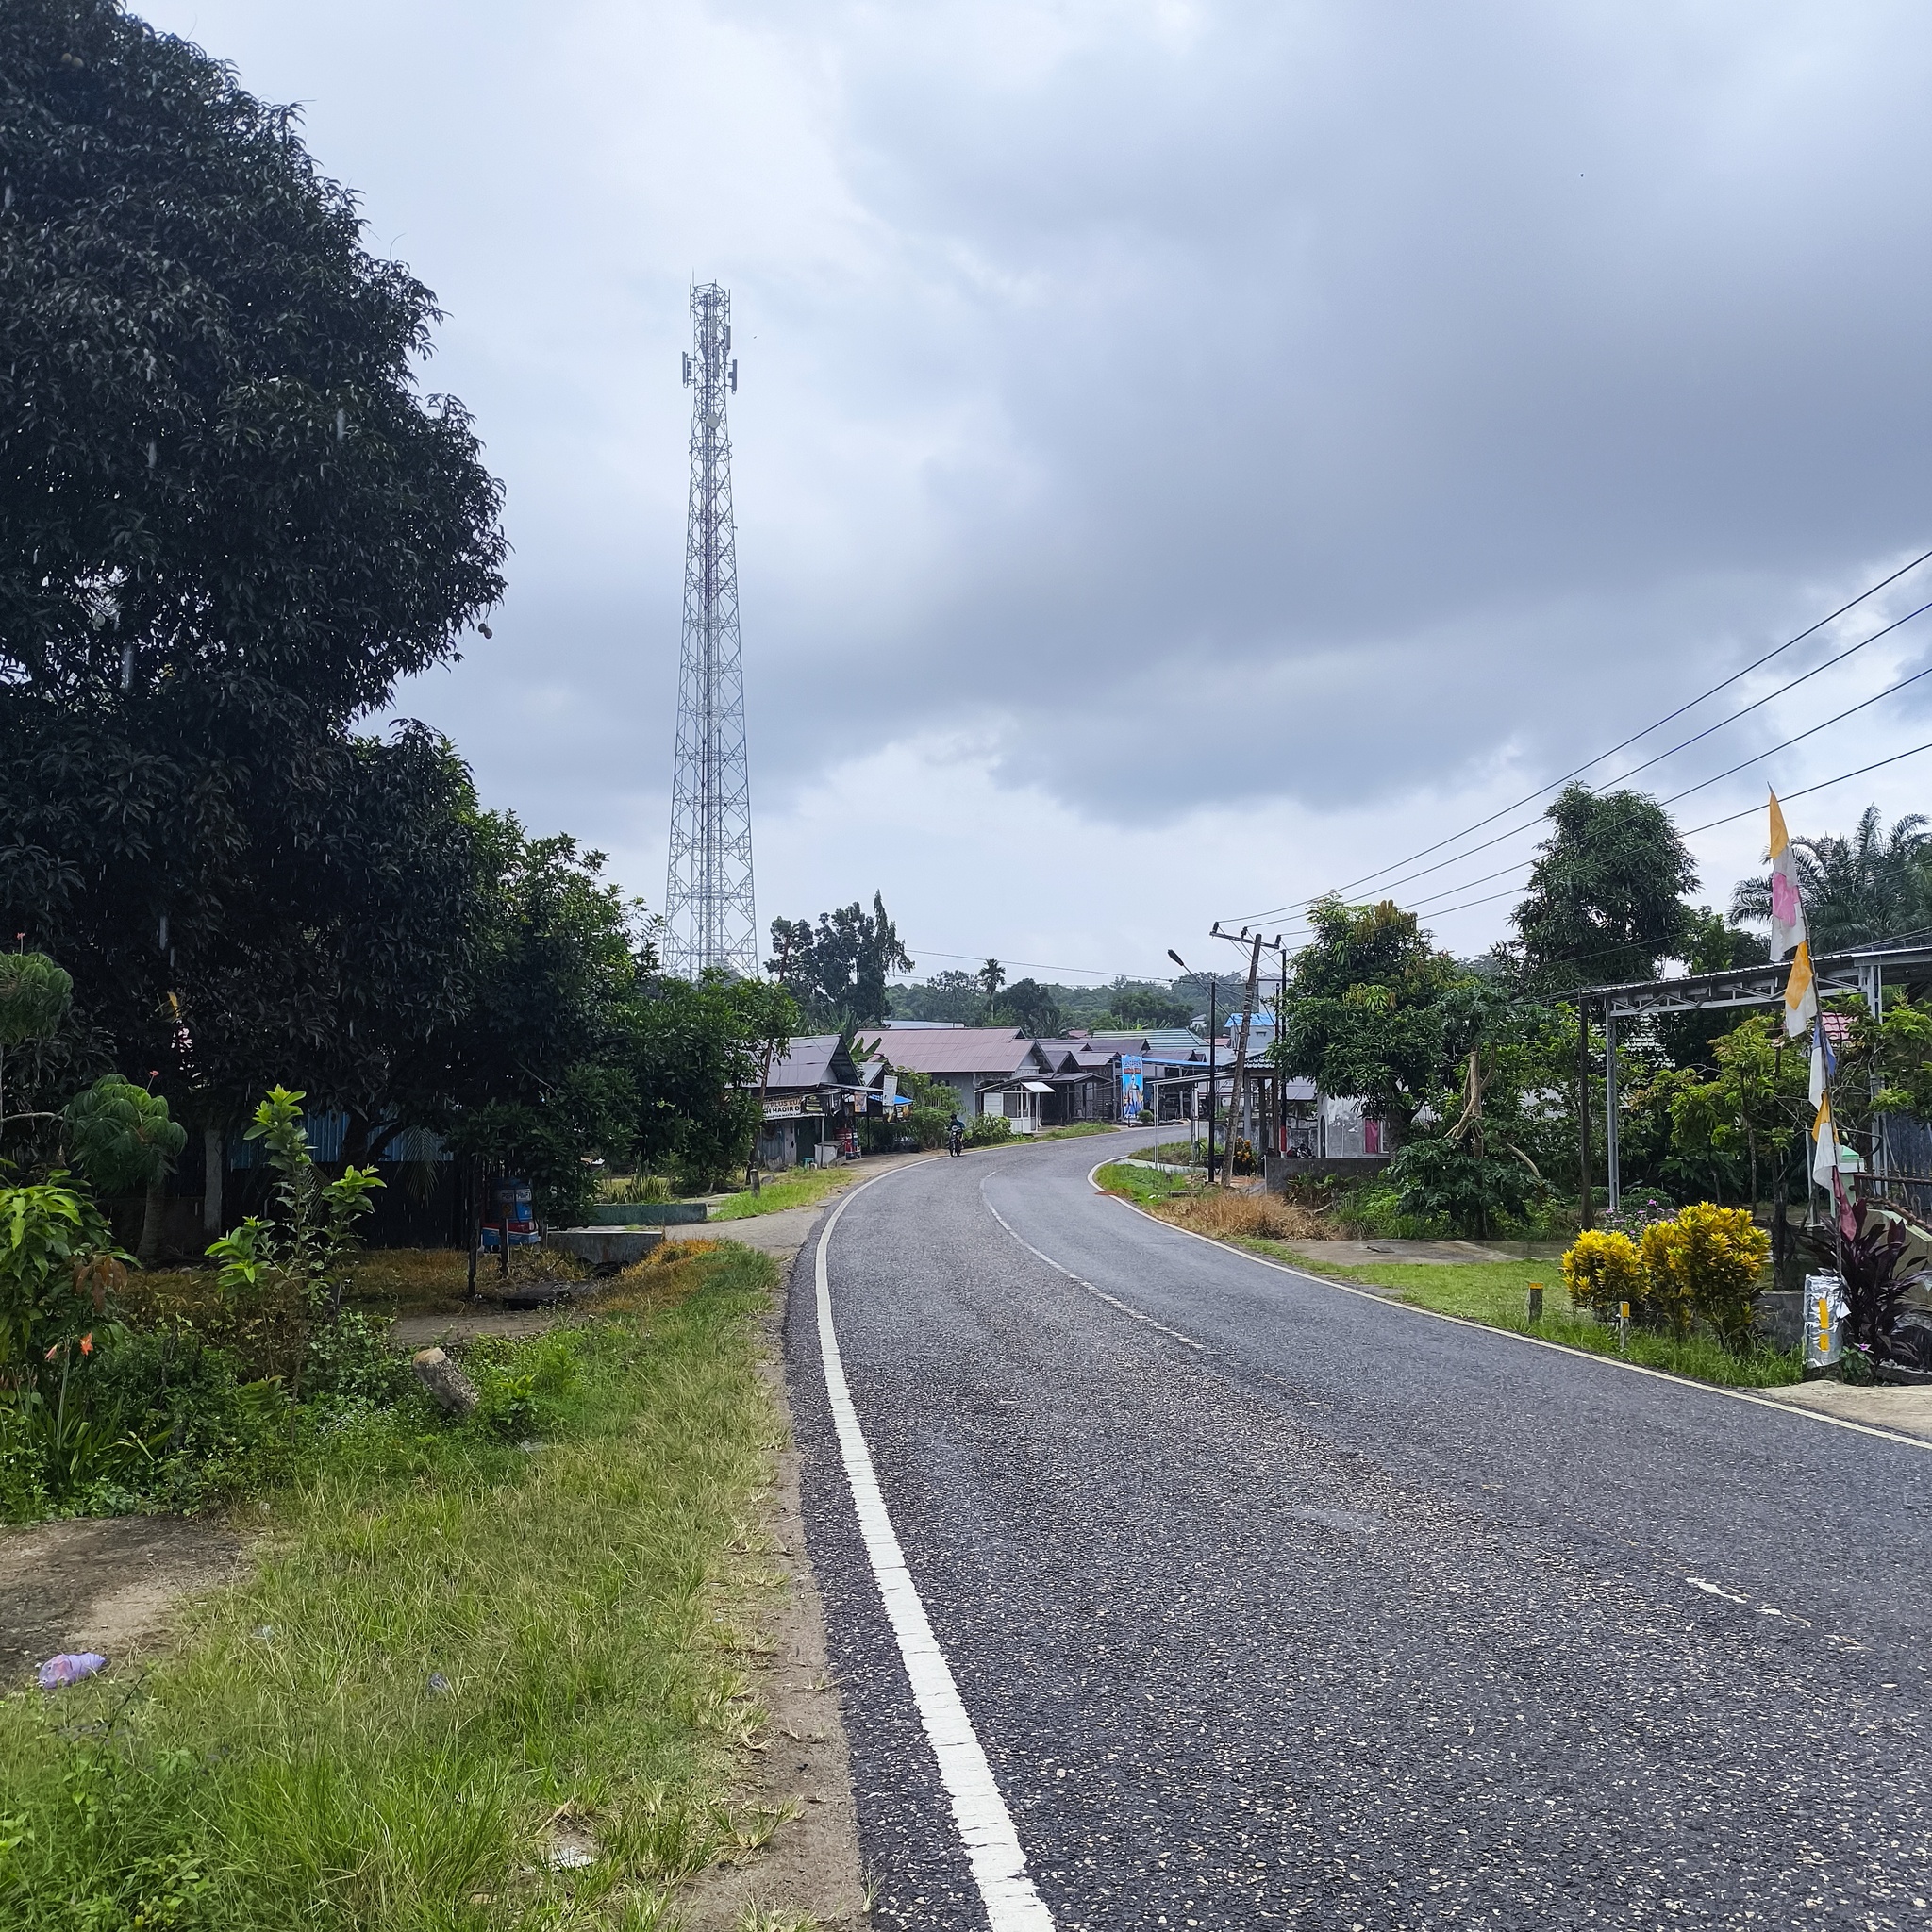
<point x="1605" y="900"/>
<point x="229" y="522"/>
<point x="1365" y="1010"/>
<point x="837" y="970"/>
<point x="1030" y="1006"/>
<point x="538" y="1068"/>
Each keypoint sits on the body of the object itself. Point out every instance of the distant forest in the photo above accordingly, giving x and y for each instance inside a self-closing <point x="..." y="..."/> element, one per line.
<point x="1045" y="1008"/>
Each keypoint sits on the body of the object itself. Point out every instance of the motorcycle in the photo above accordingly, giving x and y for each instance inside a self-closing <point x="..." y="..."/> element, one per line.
<point x="956" y="1139"/>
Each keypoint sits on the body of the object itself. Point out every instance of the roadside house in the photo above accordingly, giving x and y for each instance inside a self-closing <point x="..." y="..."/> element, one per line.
<point x="990" y="1070"/>
<point x="808" y="1100"/>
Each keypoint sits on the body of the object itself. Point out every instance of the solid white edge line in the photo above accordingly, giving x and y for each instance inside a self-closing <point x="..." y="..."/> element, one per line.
<point x="986" y="1826"/>
<point x="1607" y="1361"/>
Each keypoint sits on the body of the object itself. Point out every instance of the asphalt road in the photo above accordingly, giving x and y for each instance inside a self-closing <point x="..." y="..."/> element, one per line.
<point x="1347" y="1616"/>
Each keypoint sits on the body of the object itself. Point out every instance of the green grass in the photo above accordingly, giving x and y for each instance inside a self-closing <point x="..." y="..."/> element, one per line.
<point x="1497" y="1293"/>
<point x="1143" y="1185"/>
<point x="1077" y="1130"/>
<point x="800" y="1188"/>
<point x="291" y="1763"/>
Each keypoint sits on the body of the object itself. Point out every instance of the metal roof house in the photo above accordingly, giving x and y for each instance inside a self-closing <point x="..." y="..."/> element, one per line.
<point x="808" y="1098"/>
<point x="990" y="1068"/>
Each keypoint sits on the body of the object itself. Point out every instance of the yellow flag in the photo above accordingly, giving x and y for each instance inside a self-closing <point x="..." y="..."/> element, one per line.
<point x="1801" y="994"/>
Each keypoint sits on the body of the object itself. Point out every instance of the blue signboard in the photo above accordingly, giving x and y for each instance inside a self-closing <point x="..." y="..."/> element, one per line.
<point x="1133" y="1085"/>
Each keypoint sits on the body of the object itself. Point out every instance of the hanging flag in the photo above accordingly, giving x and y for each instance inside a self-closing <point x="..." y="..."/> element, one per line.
<point x="1824" y="1063"/>
<point x="1847" y="1215"/>
<point x="1824" y="1145"/>
<point x="1786" y="906"/>
<point x="1788" y="929"/>
<point x="1801" y="994"/>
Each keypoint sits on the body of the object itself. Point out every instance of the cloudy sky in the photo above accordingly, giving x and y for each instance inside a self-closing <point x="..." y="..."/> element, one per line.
<point x="1186" y="457"/>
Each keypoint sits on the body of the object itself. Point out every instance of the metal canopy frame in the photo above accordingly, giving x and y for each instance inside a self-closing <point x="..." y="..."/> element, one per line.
<point x="1860" y="970"/>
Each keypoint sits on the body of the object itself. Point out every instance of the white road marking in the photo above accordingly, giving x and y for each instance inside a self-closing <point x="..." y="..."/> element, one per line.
<point x="1607" y="1361"/>
<point x="1715" y="1590"/>
<point x="1112" y="1301"/>
<point x="986" y="1826"/>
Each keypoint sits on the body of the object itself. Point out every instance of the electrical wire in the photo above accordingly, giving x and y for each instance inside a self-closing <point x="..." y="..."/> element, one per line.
<point x="1490" y="898"/>
<point x="1543" y="790"/>
<point x="1532" y="824"/>
<point x="1749" y="812"/>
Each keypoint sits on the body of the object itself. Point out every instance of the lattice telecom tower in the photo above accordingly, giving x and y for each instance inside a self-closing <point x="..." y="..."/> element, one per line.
<point x="707" y="897"/>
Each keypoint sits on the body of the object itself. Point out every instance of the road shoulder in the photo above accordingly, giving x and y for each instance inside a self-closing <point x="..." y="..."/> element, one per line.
<point x="810" y="1869"/>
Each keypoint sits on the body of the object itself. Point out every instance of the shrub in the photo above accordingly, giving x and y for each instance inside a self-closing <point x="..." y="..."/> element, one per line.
<point x="1637" y="1211"/>
<point x="1705" y="1262"/>
<point x="988" y="1129"/>
<point x="205" y="1431"/>
<point x="1603" y="1270"/>
<point x="518" y="1385"/>
<point x="1666" y="1281"/>
<point x="122" y="1135"/>
<point x="1720" y="1255"/>
<point x="351" y="1360"/>
<point x="927" y="1125"/>
<point x="1439" y="1179"/>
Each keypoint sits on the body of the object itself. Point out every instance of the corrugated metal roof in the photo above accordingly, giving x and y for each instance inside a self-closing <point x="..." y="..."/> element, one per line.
<point x="807" y="1063"/>
<point x="963" y="1050"/>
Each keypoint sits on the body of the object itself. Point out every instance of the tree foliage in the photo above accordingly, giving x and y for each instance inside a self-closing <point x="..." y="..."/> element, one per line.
<point x="1364" y="1010"/>
<point x="228" y="522"/>
<point x="1605" y="893"/>
<point x="120" y="1136"/>
<point x="1027" y="1006"/>
<point x="837" y="970"/>
<point x="1867" y="887"/>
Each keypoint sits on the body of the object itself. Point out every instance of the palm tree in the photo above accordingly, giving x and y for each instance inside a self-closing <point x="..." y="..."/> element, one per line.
<point x="1868" y="886"/>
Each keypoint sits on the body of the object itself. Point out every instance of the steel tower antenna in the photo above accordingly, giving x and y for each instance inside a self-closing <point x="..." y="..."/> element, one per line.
<point x="707" y="897"/>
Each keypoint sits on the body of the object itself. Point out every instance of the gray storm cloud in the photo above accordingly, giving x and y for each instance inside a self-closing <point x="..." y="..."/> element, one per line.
<point x="1306" y="402"/>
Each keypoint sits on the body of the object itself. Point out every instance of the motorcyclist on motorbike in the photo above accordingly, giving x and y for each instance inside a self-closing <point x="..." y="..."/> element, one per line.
<point x="955" y="1135"/>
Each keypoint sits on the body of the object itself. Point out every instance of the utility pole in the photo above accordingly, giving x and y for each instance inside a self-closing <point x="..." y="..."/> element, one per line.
<point x="708" y="913"/>
<point x="1255" y="942"/>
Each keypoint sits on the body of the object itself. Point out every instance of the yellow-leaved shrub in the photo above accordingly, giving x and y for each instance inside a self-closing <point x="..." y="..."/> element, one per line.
<point x="1723" y="1259"/>
<point x="1603" y="1270"/>
<point x="1707" y="1263"/>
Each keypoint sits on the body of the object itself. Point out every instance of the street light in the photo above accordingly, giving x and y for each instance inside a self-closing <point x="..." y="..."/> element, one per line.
<point x="1213" y="986"/>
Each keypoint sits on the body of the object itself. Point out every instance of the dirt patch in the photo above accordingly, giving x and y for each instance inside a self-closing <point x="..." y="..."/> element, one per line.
<point x="107" y="1586"/>
<point x="811" y="1865"/>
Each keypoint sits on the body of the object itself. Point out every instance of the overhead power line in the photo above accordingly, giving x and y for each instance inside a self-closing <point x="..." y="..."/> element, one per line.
<point x="1543" y="790"/>
<point x="1710" y="825"/>
<point x="1622" y="778"/>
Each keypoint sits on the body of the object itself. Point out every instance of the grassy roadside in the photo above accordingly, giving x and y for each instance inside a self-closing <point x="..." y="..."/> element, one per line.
<point x="452" y="1654"/>
<point x="802" y="1187"/>
<point x="1494" y="1294"/>
<point x="1497" y="1294"/>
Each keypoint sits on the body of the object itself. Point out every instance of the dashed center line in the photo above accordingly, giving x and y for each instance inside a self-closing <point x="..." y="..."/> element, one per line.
<point x="1112" y="1301"/>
